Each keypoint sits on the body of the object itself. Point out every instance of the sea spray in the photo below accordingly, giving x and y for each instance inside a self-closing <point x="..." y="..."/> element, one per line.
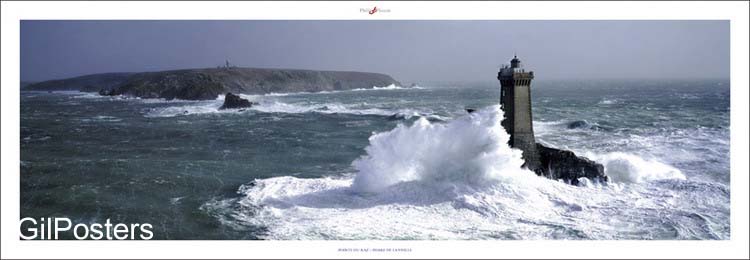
<point x="470" y="150"/>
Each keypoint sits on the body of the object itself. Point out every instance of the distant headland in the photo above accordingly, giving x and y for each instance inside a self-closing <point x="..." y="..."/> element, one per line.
<point x="208" y="83"/>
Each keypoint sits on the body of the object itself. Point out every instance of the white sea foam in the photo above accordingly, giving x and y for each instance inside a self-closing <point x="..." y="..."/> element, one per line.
<point x="623" y="167"/>
<point x="97" y="97"/>
<point x="608" y="101"/>
<point x="187" y="107"/>
<point x="101" y="118"/>
<point x="85" y="95"/>
<point x="190" y="109"/>
<point x="274" y="105"/>
<point x="328" y="208"/>
<point x="389" y="87"/>
<point x="635" y="157"/>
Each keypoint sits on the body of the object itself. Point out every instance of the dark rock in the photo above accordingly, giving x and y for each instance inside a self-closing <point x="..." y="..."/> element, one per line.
<point x="470" y="110"/>
<point x="564" y="165"/>
<point x="235" y="101"/>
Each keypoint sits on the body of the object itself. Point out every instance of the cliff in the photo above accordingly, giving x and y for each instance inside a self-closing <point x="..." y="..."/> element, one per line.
<point x="200" y="84"/>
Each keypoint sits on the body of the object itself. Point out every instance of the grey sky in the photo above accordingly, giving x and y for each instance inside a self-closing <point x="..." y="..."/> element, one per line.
<point x="407" y="50"/>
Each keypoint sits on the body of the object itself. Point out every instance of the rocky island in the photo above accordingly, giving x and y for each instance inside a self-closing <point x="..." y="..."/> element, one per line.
<point x="205" y="84"/>
<point x="234" y="101"/>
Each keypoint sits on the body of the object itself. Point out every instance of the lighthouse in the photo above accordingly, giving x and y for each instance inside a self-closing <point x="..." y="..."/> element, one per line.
<point x="515" y="100"/>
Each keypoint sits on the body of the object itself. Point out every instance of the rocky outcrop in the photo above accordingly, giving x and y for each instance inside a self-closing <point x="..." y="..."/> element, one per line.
<point x="235" y="101"/>
<point x="182" y="84"/>
<point x="202" y="84"/>
<point x="87" y="83"/>
<point x="564" y="165"/>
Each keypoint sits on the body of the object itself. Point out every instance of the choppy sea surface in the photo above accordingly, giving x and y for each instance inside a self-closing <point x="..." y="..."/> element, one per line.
<point x="387" y="163"/>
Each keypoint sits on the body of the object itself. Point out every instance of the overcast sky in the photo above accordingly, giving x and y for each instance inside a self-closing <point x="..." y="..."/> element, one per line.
<point x="410" y="51"/>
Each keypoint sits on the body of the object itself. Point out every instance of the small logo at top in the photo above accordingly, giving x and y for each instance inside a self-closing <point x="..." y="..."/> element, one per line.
<point x="374" y="10"/>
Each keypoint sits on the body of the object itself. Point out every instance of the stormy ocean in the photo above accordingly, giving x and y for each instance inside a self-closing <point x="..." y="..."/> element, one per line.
<point x="386" y="163"/>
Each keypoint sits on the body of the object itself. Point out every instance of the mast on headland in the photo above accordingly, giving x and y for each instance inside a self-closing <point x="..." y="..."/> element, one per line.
<point x="515" y="100"/>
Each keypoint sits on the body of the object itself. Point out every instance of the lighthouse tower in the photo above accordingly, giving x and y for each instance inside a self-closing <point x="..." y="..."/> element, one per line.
<point x="515" y="100"/>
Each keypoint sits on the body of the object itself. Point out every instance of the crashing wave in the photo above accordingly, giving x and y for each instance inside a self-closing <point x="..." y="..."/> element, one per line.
<point x="471" y="149"/>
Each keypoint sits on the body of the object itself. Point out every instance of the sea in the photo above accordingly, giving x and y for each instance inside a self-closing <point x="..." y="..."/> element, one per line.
<point x="388" y="163"/>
